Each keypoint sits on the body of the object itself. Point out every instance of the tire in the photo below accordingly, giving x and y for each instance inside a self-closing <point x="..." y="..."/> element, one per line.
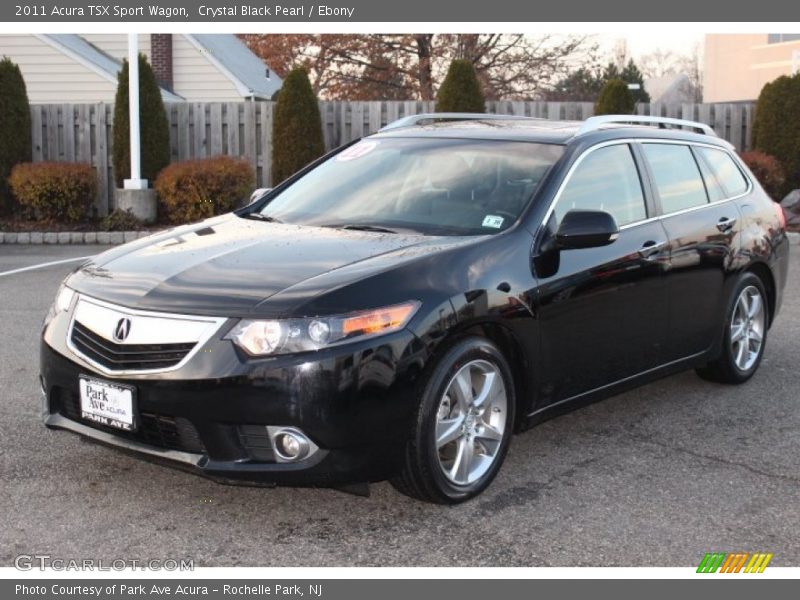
<point x="734" y="365"/>
<point x="463" y="425"/>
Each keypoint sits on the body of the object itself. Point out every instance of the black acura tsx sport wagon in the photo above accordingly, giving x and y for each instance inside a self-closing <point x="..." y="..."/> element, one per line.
<point x="399" y="308"/>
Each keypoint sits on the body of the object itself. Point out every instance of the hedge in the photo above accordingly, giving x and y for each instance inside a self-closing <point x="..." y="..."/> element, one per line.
<point x="153" y="126"/>
<point x="297" y="127"/>
<point x="768" y="171"/>
<point x="197" y="189"/>
<point x="15" y="126"/>
<point x="461" y="91"/>
<point x="615" y="99"/>
<point x="121" y="220"/>
<point x="776" y="128"/>
<point x="54" y="190"/>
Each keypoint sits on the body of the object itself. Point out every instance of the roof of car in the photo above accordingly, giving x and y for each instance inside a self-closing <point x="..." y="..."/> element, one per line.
<point x="540" y="130"/>
<point x="528" y="130"/>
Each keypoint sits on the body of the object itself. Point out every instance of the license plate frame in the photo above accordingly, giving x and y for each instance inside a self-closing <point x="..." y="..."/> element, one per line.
<point x="108" y="403"/>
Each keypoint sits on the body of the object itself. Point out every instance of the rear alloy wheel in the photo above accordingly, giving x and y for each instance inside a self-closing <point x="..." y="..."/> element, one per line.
<point x="747" y="329"/>
<point x="463" y="425"/>
<point x="745" y="334"/>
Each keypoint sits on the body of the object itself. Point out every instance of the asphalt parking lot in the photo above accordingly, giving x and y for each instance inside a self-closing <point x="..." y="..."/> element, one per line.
<point x="654" y="477"/>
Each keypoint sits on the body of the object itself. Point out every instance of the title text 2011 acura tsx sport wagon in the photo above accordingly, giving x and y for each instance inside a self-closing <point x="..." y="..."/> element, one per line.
<point x="402" y="306"/>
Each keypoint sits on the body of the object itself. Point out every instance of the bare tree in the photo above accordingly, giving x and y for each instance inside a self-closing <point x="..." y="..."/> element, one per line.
<point x="409" y="66"/>
<point x="516" y="66"/>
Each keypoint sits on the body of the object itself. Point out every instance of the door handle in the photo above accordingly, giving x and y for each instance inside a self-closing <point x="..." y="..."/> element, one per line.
<point x="726" y="224"/>
<point x="651" y="248"/>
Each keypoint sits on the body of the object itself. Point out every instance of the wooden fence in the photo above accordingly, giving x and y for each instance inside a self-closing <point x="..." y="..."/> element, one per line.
<point x="82" y="132"/>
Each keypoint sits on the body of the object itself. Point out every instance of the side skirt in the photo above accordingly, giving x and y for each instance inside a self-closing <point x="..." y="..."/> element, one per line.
<point x="601" y="393"/>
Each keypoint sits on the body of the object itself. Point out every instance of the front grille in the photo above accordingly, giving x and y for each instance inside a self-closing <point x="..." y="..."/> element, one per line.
<point x="127" y="357"/>
<point x="161" y="431"/>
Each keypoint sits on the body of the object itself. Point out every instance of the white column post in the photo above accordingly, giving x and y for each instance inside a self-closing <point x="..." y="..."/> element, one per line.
<point x="135" y="182"/>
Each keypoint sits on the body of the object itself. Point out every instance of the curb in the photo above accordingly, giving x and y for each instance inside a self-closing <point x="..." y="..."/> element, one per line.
<point x="71" y="237"/>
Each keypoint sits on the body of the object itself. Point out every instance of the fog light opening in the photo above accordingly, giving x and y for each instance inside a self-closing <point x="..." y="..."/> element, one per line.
<point x="290" y="444"/>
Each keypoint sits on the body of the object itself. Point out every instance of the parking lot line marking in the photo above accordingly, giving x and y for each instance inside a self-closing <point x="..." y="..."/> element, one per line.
<point x="44" y="265"/>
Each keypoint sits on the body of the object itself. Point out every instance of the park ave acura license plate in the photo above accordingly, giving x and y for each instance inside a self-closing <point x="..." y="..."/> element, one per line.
<point x="108" y="404"/>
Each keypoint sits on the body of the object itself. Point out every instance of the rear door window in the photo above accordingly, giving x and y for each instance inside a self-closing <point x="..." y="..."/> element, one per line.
<point x="725" y="171"/>
<point x="677" y="176"/>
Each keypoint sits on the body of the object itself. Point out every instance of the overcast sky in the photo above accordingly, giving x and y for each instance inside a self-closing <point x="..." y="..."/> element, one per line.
<point x="640" y="44"/>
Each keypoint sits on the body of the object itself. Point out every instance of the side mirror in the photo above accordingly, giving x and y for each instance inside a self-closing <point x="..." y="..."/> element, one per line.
<point x="586" y="229"/>
<point x="258" y="193"/>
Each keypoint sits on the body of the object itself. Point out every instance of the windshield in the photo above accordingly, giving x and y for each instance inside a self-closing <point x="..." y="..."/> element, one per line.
<point x="431" y="186"/>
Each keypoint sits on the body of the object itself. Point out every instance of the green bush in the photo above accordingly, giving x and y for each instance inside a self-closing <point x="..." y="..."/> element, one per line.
<point x="768" y="171"/>
<point x="201" y="188"/>
<point x="776" y="129"/>
<point x="632" y="74"/>
<point x="153" y="126"/>
<point x="461" y="91"/>
<point x="121" y="220"/>
<point x="297" y="127"/>
<point x="15" y="126"/>
<point x="615" y="99"/>
<point x="54" y="190"/>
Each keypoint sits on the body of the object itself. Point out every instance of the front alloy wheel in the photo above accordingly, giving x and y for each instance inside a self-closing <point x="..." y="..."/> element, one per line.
<point x="463" y="425"/>
<point x="471" y="421"/>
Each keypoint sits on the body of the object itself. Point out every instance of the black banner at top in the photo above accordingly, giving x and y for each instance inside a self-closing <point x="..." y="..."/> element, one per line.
<point x="450" y="11"/>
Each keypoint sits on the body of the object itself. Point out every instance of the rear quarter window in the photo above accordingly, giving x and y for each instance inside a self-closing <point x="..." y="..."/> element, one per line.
<point x="725" y="171"/>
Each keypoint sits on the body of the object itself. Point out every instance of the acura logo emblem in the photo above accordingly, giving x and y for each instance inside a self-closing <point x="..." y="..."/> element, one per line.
<point x="122" y="329"/>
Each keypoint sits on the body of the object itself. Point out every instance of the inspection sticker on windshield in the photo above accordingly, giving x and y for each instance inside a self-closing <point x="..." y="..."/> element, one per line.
<point x="357" y="151"/>
<point x="493" y="221"/>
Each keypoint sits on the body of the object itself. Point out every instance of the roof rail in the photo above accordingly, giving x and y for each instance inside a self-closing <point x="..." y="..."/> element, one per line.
<point x="595" y="123"/>
<point x="412" y="120"/>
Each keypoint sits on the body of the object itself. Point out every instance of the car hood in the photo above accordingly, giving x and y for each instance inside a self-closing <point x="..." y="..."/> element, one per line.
<point x="229" y="265"/>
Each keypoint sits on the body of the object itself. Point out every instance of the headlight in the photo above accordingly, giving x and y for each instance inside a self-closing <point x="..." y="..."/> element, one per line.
<point x="263" y="338"/>
<point x="62" y="302"/>
<point x="63" y="299"/>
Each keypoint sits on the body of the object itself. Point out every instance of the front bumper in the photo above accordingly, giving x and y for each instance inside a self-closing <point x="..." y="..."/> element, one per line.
<point x="355" y="402"/>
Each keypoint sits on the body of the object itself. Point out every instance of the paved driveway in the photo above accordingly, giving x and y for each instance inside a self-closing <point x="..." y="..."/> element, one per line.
<point x="657" y="476"/>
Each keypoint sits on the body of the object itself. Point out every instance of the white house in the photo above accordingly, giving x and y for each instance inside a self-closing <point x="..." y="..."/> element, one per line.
<point x="71" y="68"/>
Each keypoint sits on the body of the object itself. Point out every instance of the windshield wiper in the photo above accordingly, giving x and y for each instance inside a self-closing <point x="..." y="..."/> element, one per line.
<point x="259" y="217"/>
<point x="363" y="227"/>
